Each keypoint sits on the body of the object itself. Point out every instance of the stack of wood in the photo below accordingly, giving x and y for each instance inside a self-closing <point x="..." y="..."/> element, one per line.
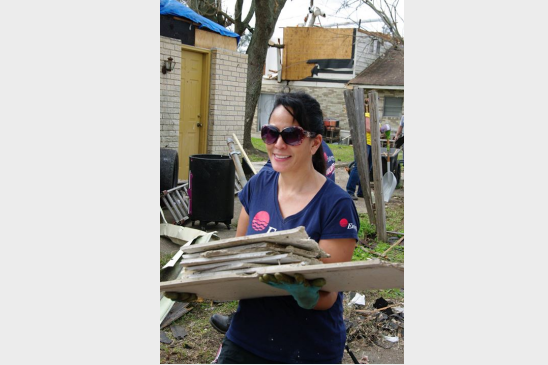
<point x="244" y="254"/>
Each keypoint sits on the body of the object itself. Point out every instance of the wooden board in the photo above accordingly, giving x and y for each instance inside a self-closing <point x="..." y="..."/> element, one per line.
<point x="304" y="43"/>
<point x="295" y="237"/>
<point x="208" y="39"/>
<point x="347" y="276"/>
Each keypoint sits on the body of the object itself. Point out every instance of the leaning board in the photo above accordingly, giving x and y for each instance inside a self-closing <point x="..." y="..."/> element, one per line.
<point x="346" y="276"/>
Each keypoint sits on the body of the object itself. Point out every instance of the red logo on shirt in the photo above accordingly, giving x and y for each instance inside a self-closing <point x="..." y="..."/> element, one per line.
<point x="343" y="222"/>
<point x="260" y="221"/>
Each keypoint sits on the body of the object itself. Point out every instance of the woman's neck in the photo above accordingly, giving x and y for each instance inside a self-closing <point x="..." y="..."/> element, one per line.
<point x="301" y="181"/>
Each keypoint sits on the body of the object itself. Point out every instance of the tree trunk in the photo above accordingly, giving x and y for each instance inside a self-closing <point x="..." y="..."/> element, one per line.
<point x="266" y="16"/>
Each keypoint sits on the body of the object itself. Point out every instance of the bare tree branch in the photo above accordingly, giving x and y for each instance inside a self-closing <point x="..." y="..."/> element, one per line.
<point x="389" y="20"/>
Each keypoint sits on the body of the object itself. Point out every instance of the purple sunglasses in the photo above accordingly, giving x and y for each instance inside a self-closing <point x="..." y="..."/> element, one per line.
<point x="292" y="136"/>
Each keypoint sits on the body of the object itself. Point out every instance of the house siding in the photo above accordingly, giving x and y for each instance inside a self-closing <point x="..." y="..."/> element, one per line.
<point x="365" y="53"/>
<point x="170" y="89"/>
<point x="331" y="99"/>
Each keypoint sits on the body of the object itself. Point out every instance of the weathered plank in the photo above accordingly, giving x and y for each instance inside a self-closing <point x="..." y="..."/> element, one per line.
<point x="377" y="166"/>
<point x="356" y="119"/>
<point x="346" y="276"/>
<point x="216" y="259"/>
<point x="296" y="237"/>
<point x="272" y="260"/>
<point x="262" y="246"/>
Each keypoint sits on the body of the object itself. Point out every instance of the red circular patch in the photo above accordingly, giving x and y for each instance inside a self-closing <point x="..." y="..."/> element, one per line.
<point x="343" y="222"/>
<point x="260" y="221"/>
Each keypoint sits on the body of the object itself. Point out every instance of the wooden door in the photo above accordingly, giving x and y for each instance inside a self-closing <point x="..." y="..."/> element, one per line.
<point x="190" y="121"/>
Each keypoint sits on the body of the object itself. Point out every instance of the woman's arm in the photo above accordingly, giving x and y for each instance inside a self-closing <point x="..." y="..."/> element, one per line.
<point x="341" y="250"/>
<point x="243" y="222"/>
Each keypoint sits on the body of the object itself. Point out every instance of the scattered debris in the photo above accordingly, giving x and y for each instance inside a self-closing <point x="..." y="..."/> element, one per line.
<point x="164" y="338"/>
<point x="382" y="303"/>
<point x="178" y="332"/>
<point x="358" y="299"/>
<point x="382" y="326"/>
<point x="175" y="313"/>
<point x="400" y="240"/>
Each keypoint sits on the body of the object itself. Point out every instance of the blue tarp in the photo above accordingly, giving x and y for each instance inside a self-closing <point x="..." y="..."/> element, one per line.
<point x="172" y="7"/>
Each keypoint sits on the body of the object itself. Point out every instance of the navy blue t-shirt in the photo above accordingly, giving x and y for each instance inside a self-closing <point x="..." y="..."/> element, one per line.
<point x="276" y="328"/>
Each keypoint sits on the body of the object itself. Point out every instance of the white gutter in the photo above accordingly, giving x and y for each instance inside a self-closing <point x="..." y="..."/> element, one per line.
<point x="382" y="87"/>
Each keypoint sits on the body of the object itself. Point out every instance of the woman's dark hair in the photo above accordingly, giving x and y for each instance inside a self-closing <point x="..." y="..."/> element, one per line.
<point x="307" y="112"/>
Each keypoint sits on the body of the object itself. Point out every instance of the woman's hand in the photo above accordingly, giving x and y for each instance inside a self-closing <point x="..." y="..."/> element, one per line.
<point x="304" y="291"/>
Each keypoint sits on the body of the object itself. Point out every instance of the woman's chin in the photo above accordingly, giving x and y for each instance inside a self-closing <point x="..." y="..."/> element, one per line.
<point x="279" y="166"/>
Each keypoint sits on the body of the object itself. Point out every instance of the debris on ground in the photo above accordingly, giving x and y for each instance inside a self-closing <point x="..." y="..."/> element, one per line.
<point x="357" y="299"/>
<point x="382" y="326"/>
<point x="175" y="313"/>
<point x="179" y="332"/>
<point x="164" y="338"/>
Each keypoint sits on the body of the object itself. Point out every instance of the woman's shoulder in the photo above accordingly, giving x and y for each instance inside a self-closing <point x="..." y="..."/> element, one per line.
<point x="263" y="176"/>
<point x="336" y="191"/>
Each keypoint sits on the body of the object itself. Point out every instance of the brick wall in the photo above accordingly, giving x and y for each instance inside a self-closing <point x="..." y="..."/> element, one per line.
<point x="227" y="98"/>
<point x="170" y="89"/>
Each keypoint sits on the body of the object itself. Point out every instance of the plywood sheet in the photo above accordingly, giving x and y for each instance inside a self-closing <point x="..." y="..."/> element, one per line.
<point x="347" y="276"/>
<point x="206" y="39"/>
<point x="304" y="43"/>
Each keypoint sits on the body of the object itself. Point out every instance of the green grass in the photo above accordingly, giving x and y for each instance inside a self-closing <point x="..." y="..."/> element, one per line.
<point x="164" y="259"/>
<point x="394" y="223"/>
<point x="342" y="153"/>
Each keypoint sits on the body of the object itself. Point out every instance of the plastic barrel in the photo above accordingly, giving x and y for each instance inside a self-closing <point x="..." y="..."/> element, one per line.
<point x="211" y="189"/>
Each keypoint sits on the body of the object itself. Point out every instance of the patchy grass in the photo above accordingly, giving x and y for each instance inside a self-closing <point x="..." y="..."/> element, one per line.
<point x="342" y="153"/>
<point x="202" y="341"/>
<point x="259" y="145"/>
<point x="164" y="259"/>
<point x="368" y="236"/>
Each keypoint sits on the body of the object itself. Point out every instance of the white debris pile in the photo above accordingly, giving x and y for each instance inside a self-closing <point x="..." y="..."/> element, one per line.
<point x="245" y="254"/>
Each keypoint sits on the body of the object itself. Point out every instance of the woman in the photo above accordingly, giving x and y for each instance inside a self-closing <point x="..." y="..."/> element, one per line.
<point x="307" y="325"/>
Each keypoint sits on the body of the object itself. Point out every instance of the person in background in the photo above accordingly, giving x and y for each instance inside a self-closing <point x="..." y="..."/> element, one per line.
<point x="399" y="135"/>
<point x="306" y="325"/>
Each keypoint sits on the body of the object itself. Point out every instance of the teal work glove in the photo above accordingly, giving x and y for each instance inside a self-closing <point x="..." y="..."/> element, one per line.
<point x="181" y="297"/>
<point x="304" y="291"/>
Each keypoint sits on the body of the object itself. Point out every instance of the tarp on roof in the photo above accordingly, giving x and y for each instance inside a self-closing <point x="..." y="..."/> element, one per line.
<point x="172" y="7"/>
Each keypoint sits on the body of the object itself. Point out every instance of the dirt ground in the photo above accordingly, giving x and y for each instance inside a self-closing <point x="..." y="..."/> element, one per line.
<point x="366" y="336"/>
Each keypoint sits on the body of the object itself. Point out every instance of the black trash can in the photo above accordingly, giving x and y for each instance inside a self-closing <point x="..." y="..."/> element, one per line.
<point x="211" y="189"/>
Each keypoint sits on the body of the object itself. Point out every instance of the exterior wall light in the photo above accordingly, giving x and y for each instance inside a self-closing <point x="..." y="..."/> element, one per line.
<point x="168" y="66"/>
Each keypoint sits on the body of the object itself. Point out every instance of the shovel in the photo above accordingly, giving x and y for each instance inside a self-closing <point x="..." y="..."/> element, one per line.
<point x="389" y="181"/>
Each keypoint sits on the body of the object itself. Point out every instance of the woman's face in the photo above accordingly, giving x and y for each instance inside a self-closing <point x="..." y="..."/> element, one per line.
<point x="284" y="157"/>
